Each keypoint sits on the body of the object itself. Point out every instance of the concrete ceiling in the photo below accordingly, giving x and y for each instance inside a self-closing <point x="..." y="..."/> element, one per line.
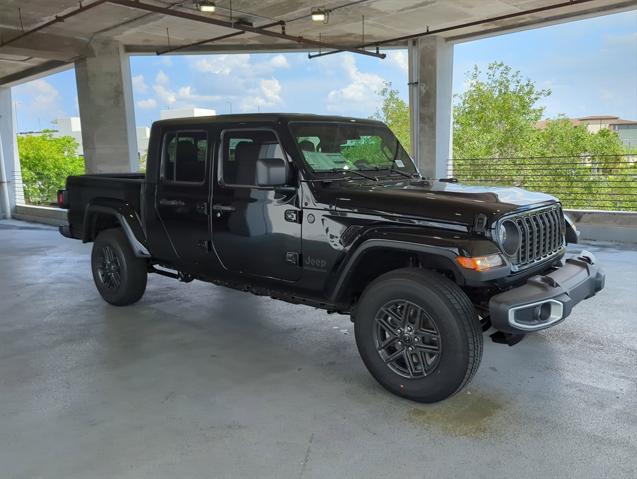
<point x="140" y="31"/>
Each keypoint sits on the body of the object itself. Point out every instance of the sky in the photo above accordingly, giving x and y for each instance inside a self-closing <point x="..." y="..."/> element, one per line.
<point x="590" y="66"/>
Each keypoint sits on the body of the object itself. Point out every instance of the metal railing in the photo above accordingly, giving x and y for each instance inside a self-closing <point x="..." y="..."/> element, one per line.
<point x="595" y="182"/>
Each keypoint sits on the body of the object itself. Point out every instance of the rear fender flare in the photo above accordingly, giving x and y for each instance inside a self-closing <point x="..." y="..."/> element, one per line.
<point x="127" y="218"/>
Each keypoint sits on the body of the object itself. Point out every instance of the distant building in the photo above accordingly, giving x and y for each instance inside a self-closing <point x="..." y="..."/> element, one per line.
<point x="625" y="129"/>
<point x="185" y="113"/>
<point x="69" y="127"/>
<point x="143" y="135"/>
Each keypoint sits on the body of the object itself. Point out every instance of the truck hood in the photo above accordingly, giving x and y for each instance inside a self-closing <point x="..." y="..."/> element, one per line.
<point x="438" y="200"/>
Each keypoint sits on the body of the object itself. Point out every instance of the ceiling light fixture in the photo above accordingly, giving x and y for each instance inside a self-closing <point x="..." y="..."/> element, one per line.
<point x="320" y="15"/>
<point x="206" y="6"/>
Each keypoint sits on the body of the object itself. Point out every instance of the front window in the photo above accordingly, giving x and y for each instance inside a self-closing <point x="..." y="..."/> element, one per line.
<point x="334" y="147"/>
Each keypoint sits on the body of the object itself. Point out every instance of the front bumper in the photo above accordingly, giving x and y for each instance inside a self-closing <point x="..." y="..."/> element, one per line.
<point x="546" y="300"/>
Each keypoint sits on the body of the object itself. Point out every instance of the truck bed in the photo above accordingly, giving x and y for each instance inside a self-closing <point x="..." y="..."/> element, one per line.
<point x="84" y="189"/>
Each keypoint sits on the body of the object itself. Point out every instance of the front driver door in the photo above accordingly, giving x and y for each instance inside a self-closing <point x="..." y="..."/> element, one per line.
<point x="255" y="230"/>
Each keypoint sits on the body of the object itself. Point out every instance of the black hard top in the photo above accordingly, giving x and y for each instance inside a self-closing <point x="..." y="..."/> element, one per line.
<point x="262" y="117"/>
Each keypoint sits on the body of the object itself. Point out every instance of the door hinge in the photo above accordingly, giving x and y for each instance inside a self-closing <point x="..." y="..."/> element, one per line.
<point x="292" y="257"/>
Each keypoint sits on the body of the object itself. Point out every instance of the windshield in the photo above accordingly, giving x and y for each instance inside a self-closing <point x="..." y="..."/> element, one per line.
<point x="332" y="147"/>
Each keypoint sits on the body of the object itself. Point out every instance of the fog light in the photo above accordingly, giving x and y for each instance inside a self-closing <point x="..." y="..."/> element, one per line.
<point x="543" y="312"/>
<point x="480" y="263"/>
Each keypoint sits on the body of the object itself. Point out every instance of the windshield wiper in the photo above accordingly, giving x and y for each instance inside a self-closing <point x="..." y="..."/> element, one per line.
<point x="391" y="170"/>
<point x="356" y="172"/>
<point x="341" y="178"/>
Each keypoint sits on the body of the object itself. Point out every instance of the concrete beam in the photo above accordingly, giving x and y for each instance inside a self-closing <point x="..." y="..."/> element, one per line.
<point x="105" y="97"/>
<point x="44" y="45"/>
<point x="430" y="95"/>
<point x="33" y="73"/>
<point x="11" y="191"/>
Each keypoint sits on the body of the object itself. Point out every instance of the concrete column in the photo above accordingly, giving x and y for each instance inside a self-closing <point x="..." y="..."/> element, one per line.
<point x="105" y="96"/>
<point x="430" y="96"/>
<point x="11" y="191"/>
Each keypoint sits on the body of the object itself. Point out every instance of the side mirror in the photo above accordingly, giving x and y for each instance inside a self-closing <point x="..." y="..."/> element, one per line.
<point x="272" y="172"/>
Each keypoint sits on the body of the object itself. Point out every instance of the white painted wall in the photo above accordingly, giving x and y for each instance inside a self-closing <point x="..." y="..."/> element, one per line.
<point x="185" y="113"/>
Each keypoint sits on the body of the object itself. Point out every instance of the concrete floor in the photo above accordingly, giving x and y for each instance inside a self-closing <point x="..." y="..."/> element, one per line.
<point x="197" y="381"/>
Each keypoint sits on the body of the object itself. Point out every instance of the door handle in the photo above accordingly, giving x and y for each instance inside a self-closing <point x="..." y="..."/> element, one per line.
<point x="223" y="208"/>
<point x="166" y="202"/>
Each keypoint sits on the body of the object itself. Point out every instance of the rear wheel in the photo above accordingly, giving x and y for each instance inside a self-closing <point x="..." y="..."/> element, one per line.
<point x="119" y="275"/>
<point x="418" y="334"/>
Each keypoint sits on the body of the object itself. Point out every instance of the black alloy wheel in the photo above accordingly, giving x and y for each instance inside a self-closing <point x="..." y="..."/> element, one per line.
<point x="109" y="269"/>
<point x="407" y="338"/>
<point x="119" y="275"/>
<point x="418" y="334"/>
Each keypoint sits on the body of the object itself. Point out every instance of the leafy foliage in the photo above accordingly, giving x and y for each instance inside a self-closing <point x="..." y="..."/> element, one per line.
<point x="46" y="162"/>
<point x="496" y="116"/>
<point x="394" y="112"/>
<point x="496" y="141"/>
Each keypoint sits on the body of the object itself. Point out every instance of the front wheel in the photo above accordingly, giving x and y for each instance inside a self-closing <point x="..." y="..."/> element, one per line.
<point x="120" y="276"/>
<point x="418" y="334"/>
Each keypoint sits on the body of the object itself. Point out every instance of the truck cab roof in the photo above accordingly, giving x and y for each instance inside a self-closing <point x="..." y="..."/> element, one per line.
<point x="263" y="117"/>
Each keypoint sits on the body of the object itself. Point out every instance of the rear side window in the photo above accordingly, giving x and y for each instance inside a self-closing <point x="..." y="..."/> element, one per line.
<point x="184" y="156"/>
<point x="240" y="152"/>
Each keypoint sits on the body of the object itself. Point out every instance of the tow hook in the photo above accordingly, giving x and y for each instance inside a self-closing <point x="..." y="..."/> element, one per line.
<point x="506" y="338"/>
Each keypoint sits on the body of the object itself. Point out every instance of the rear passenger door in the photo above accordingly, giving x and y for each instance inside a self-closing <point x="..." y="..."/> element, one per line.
<point x="182" y="192"/>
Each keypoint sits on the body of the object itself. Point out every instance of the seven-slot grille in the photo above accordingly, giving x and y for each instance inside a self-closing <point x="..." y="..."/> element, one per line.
<point x="541" y="233"/>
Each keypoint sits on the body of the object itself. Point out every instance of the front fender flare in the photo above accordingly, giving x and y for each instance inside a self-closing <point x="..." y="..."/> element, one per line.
<point x="447" y="253"/>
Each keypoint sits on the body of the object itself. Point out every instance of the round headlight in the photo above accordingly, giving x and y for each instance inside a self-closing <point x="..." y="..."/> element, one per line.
<point x="509" y="237"/>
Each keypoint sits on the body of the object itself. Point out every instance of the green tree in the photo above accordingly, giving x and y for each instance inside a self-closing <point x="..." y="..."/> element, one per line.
<point x="394" y="112"/>
<point x="496" y="140"/>
<point x="46" y="162"/>
<point x="496" y="116"/>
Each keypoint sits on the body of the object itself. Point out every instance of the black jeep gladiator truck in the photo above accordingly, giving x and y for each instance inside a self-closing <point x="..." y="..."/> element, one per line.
<point x="331" y="212"/>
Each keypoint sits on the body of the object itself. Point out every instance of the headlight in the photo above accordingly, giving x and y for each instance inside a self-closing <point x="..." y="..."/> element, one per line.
<point x="480" y="263"/>
<point x="509" y="237"/>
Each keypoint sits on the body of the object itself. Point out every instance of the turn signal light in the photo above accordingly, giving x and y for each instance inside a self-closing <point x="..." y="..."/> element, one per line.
<point x="480" y="263"/>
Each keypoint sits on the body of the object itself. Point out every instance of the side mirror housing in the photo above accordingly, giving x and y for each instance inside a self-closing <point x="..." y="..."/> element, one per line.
<point x="272" y="172"/>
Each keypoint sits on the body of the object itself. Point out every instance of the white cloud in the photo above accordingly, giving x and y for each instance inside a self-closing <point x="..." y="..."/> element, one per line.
<point x="267" y="94"/>
<point x="161" y="78"/>
<point x="627" y="39"/>
<point x="399" y="58"/>
<point x="239" y="64"/>
<point x="165" y="94"/>
<point x="45" y="96"/>
<point x="188" y="93"/>
<point x="279" y="61"/>
<point x="361" y="94"/>
<point x="139" y="84"/>
<point x="222" y="64"/>
<point x="147" y="104"/>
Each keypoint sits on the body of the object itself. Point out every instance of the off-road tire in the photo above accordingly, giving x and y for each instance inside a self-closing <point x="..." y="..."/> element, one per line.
<point x="132" y="272"/>
<point x="429" y="295"/>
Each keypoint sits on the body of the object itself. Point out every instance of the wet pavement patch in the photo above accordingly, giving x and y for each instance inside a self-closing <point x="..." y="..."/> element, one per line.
<point x="464" y="415"/>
